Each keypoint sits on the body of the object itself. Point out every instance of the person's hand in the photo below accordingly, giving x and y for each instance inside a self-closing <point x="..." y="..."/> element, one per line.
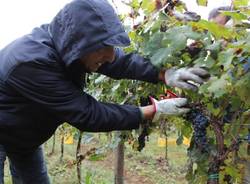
<point x="186" y="78"/>
<point x="171" y="106"/>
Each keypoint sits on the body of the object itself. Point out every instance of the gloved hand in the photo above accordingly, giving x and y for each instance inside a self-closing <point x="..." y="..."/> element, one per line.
<point x="181" y="77"/>
<point x="171" y="106"/>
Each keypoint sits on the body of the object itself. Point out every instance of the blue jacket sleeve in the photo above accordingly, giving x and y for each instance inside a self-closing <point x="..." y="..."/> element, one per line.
<point x="47" y="86"/>
<point x="130" y="66"/>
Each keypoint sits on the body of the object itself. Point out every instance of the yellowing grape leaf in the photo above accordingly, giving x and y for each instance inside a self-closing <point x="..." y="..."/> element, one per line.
<point x="148" y="6"/>
<point x="217" y="30"/>
<point x="238" y="3"/>
<point x="202" y="2"/>
<point x="236" y="15"/>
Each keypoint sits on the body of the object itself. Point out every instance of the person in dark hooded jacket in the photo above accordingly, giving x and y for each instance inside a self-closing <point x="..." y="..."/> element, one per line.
<point x="42" y="83"/>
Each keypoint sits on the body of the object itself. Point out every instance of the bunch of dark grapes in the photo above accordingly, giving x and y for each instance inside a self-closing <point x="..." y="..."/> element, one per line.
<point x="143" y="137"/>
<point x="144" y="101"/>
<point x="194" y="49"/>
<point x="200" y="123"/>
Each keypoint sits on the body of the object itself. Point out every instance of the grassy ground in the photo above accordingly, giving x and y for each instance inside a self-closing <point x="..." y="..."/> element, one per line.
<point x="147" y="167"/>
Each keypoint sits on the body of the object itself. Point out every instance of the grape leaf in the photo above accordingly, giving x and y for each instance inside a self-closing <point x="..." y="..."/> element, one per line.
<point x="242" y="88"/>
<point x="186" y="129"/>
<point x="212" y="109"/>
<point x="236" y="15"/>
<point x="202" y="2"/>
<point x="153" y="44"/>
<point x="188" y="31"/>
<point x="225" y="58"/>
<point x="161" y="56"/>
<point x="218" y="86"/>
<point x="236" y="103"/>
<point x="214" y="46"/>
<point x="176" y="41"/>
<point x="148" y="6"/>
<point x="214" y="49"/>
<point x="217" y="30"/>
<point x="135" y="4"/>
<point x="232" y="171"/>
<point x="179" y="42"/>
<point x="238" y="3"/>
<point x="207" y="62"/>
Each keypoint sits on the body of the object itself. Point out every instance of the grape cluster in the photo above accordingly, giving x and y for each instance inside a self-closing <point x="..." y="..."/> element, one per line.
<point x="142" y="137"/>
<point x="200" y="123"/>
<point x="144" y="101"/>
<point x="194" y="49"/>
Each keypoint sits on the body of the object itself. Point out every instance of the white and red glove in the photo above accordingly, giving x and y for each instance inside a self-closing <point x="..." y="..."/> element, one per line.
<point x="171" y="106"/>
<point x="186" y="78"/>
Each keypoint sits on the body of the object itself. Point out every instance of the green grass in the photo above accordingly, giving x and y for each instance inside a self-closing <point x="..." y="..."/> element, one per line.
<point x="148" y="166"/>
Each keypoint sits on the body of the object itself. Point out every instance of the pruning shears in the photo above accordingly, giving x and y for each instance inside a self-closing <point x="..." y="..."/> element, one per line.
<point x="168" y="94"/>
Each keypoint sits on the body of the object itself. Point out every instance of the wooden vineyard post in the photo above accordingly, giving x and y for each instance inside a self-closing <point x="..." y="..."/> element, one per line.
<point x="119" y="163"/>
<point x="165" y="129"/>
<point x="78" y="158"/>
<point x="62" y="143"/>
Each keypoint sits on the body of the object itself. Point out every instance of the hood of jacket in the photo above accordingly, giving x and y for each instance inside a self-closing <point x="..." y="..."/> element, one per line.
<point x="83" y="26"/>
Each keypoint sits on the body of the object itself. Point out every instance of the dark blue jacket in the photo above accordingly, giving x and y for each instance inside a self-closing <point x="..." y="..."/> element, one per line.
<point x="41" y="82"/>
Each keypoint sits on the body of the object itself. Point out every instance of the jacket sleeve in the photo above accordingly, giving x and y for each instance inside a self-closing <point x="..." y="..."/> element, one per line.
<point x="50" y="89"/>
<point x="130" y="66"/>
